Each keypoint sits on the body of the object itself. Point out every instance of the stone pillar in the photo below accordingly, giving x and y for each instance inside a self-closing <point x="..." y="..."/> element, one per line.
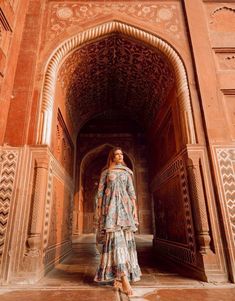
<point x="34" y="254"/>
<point x="196" y="21"/>
<point x="198" y="203"/>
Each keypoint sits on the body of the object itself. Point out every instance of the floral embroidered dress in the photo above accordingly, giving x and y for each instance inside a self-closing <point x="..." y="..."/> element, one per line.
<point x="118" y="256"/>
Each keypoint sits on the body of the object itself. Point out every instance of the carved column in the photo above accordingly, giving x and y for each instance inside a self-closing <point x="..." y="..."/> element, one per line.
<point x="35" y="237"/>
<point x="199" y="209"/>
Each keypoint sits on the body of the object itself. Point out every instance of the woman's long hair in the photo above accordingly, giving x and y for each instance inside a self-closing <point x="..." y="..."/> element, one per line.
<point x="111" y="156"/>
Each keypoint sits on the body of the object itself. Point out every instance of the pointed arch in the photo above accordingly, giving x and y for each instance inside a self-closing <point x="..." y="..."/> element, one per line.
<point x="49" y="86"/>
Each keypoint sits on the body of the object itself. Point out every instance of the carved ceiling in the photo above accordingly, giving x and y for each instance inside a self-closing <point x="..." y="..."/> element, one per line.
<point x="115" y="73"/>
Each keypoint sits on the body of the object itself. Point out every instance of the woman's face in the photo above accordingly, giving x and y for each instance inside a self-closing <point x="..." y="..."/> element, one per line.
<point x="118" y="157"/>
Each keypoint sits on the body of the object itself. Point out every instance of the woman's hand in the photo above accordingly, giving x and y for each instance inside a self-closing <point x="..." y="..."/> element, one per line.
<point x="135" y="215"/>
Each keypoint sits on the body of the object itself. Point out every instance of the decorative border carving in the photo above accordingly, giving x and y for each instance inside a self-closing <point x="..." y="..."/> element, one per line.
<point x="61" y="16"/>
<point x="8" y="167"/>
<point x="45" y="122"/>
<point x="186" y="254"/>
<point x="223" y="8"/>
<point x="48" y="205"/>
<point x="226" y="163"/>
<point x="181" y="254"/>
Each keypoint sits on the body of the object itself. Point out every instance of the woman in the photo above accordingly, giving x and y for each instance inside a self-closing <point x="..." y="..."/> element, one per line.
<point x="117" y="216"/>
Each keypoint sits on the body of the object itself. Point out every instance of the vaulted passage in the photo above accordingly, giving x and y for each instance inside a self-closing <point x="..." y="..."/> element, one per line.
<point x="118" y="91"/>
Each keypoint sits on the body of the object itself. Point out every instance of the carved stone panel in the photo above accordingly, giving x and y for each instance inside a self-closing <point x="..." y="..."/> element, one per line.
<point x="8" y="167"/>
<point x="66" y="16"/>
<point x="222" y="17"/>
<point x="226" y="164"/>
<point x="174" y="224"/>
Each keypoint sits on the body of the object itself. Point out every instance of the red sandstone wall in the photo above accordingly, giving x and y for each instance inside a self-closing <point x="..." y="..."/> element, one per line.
<point x="206" y="25"/>
<point x="59" y="22"/>
<point x="11" y="28"/>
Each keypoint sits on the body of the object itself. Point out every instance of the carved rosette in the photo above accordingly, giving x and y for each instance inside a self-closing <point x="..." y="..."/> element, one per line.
<point x="61" y="16"/>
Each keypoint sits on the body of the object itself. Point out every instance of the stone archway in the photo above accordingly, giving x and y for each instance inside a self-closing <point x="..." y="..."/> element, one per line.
<point x="176" y="169"/>
<point x="47" y="98"/>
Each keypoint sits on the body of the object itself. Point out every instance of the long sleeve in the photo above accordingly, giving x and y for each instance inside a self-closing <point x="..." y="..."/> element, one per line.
<point x="130" y="187"/>
<point x="101" y="187"/>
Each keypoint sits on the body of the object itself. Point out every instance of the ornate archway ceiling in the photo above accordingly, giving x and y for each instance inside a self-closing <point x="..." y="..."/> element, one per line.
<point x="115" y="73"/>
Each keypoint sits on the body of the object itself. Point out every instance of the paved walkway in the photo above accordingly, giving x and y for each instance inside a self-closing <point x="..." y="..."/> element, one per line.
<point x="73" y="280"/>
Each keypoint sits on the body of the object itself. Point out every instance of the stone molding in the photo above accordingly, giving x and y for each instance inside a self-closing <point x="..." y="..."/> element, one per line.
<point x="225" y="170"/>
<point x="63" y="50"/>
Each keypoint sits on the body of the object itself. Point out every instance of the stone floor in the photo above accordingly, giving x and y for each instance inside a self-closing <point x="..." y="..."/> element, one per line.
<point x="73" y="280"/>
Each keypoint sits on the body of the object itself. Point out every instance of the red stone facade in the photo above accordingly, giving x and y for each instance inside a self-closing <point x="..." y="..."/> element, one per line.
<point x="154" y="77"/>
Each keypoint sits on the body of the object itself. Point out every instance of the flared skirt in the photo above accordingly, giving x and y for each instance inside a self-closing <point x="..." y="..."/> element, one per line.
<point x="118" y="257"/>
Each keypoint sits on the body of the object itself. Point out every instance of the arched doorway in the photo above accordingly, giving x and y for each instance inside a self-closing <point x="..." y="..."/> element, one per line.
<point x="119" y="69"/>
<point x="129" y="90"/>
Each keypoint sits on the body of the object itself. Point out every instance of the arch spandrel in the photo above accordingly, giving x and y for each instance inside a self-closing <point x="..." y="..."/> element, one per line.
<point x="44" y="130"/>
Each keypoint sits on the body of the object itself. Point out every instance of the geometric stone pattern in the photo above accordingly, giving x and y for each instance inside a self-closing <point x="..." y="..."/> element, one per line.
<point x="226" y="160"/>
<point x="8" y="165"/>
<point x="116" y="72"/>
<point x="187" y="252"/>
<point x="61" y="16"/>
